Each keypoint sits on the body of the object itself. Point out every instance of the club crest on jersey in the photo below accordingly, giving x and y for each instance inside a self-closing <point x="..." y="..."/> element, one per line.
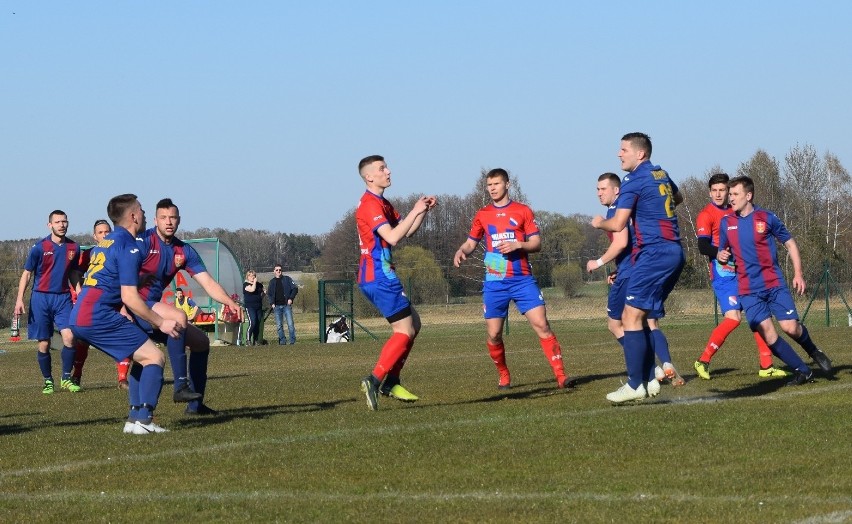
<point x="760" y="227"/>
<point x="179" y="259"/>
<point x="513" y="222"/>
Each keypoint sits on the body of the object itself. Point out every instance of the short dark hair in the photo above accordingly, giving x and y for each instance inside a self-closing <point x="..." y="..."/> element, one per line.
<point x="367" y="160"/>
<point x="718" y="178"/>
<point x="166" y="203"/>
<point x="745" y="181"/>
<point x="640" y="141"/>
<point x="178" y="289"/>
<point x="56" y="212"/>
<point x="118" y="206"/>
<point x="498" y="172"/>
<point x="614" y="179"/>
<point x="100" y="222"/>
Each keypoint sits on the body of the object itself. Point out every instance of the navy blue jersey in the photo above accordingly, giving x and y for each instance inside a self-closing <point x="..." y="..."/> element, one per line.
<point x="649" y="193"/>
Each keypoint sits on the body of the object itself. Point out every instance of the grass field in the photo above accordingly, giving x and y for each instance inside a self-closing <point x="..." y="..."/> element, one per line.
<point x="296" y="443"/>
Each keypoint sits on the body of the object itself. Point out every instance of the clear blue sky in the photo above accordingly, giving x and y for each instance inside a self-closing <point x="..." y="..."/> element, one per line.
<point x="255" y="114"/>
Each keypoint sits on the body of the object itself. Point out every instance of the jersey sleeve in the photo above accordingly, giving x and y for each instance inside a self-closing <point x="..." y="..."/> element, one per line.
<point x="723" y="233"/>
<point x="128" y="260"/>
<point x="628" y="196"/>
<point x="704" y="225"/>
<point x="530" y="224"/>
<point x="194" y="263"/>
<point x="31" y="263"/>
<point x="779" y="230"/>
<point x="476" y="228"/>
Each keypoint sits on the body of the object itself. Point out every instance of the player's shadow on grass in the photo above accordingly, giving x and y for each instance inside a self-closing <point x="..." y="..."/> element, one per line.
<point x="259" y="412"/>
<point x="9" y="429"/>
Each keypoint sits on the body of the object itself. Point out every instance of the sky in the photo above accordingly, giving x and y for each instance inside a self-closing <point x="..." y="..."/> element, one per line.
<point x="255" y="114"/>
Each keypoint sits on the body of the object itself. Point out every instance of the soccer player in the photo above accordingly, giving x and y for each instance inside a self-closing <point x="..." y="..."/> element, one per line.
<point x="112" y="282"/>
<point x="748" y="236"/>
<point x="50" y="263"/>
<point x="380" y="227"/>
<point x="621" y="242"/>
<point x="99" y="231"/>
<point x="723" y="278"/>
<point x="648" y="198"/>
<point x="509" y="233"/>
<point x="165" y="255"/>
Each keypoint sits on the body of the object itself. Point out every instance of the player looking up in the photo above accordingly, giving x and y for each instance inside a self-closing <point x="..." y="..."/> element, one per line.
<point x="380" y="227"/>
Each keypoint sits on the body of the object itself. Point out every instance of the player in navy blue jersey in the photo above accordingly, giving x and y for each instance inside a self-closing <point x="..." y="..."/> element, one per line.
<point x="110" y="283"/>
<point x="648" y="199"/>
<point x="51" y="262"/>
<point x="748" y="237"/>
<point x="164" y="255"/>
<point x="618" y="252"/>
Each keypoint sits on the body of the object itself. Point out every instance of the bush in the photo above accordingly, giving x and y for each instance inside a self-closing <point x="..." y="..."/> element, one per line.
<point x="567" y="277"/>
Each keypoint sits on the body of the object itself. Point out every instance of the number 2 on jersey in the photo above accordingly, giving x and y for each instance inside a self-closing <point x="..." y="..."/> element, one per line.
<point x="666" y="191"/>
<point x="95" y="264"/>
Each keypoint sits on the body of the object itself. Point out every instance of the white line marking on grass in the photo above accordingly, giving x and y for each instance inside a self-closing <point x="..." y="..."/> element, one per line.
<point x="495" y="496"/>
<point x="836" y="516"/>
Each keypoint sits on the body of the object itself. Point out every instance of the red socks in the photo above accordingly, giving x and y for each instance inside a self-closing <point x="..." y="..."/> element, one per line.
<point x="553" y="352"/>
<point x="81" y="353"/>
<point x="763" y="351"/>
<point x="395" y="348"/>
<point x="717" y="338"/>
<point x="498" y="356"/>
<point x="122" y="368"/>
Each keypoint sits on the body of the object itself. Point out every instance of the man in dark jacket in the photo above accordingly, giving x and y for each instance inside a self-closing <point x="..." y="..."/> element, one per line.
<point x="282" y="291"/>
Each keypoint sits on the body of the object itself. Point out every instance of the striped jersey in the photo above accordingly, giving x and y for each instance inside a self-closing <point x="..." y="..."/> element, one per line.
<point x="752" y="242"/>
<point x="50" y="263"/>
<point x="162" y="261"/>
<point x="114" y="262"/>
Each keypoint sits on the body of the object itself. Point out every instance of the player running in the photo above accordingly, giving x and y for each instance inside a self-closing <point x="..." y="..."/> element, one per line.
<point x="723" y="278"/>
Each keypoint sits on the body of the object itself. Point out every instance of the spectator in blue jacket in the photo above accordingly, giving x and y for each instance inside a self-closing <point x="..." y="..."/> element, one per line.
<point x="282" y="291"/>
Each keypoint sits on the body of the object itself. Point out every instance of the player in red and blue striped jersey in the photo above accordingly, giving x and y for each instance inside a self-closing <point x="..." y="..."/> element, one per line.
<point x="164" y="256"/>
<point x="110" y="283"/>
<point x="723" y="278"/>
<point x="51" y="263"/>
<point x="748" y="236"/>
<point x="99" y="231"/>
<point x="508" y="232"/>
<point x="380" y="227"/>
<point x="648" y="198"/>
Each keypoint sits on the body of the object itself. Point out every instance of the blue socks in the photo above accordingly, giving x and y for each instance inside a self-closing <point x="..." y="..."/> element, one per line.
<point x="198" y="375"/>
<point x="784" y="351"/>
<point x="177" y="358"/>
<point x="636" y="351"/>
<point x="44" y="364"/>
<point x="68" y="355"/>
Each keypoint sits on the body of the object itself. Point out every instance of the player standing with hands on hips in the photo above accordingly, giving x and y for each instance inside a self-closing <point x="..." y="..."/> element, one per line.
<point x="381" y="227"/>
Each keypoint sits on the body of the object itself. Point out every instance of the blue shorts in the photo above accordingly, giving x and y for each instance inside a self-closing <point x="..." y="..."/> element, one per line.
<point x="725" y="289"/>
<point x="615" y="301"/>
<point x="776" y="302"/>
<point x="153" y="333"/>
<point x="116" y="336"/>
<point x="48" y="311"/>
<point x="496" y="295"/>
<point x="387" y="295"/>
<point x="656" y="269"/>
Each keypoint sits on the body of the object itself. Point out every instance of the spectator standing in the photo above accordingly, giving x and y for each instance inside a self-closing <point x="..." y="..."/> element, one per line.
<point x="253" y="302"/>
<point x="282" y="292"/>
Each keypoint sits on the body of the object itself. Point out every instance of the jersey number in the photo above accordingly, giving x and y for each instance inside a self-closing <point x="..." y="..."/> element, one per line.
<point x="95" y="264"/>
<point x="666" y="191"/>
